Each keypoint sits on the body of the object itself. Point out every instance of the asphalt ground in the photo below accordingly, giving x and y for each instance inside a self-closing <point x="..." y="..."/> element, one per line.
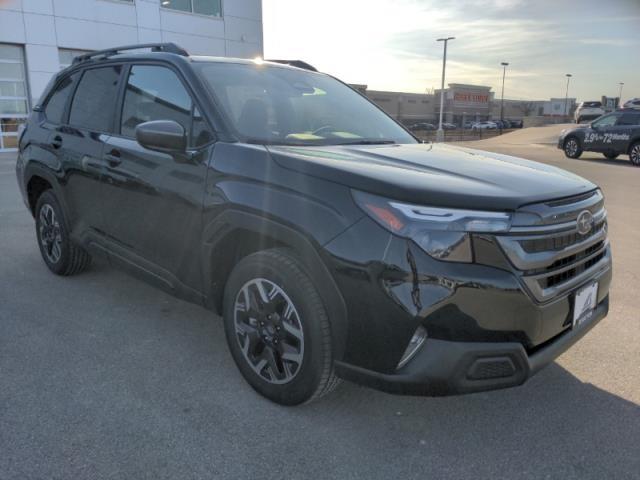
<point x="104" y="377"/>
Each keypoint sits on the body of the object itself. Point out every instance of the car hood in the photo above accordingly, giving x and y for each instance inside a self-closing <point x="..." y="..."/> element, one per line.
<point x="435" y="174"/>
<point x="578" y="127"/>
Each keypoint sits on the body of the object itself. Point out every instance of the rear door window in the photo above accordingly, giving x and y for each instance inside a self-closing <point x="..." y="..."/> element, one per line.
<point x="54" y="111"/>
<point x="93" y="104"/>
<point x="630" y="119"/>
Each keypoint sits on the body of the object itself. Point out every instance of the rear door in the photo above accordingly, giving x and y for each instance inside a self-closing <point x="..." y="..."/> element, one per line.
<point x="79" y="140"/>
<point x="153" y="207"/>
<point x="628" y="123"/>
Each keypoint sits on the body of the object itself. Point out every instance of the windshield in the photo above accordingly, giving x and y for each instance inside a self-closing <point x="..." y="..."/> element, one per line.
<point x="275" y="105"/>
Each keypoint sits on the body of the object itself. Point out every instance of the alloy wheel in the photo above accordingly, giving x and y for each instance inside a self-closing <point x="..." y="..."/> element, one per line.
<point x="269" y="331"/>
<point x="571" y="147"/>
<point x="634" y="155"/>
<point x="50" y="234"/>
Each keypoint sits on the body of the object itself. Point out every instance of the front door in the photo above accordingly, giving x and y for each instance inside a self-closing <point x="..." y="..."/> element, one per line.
<point x="599" y="137"/>
<point x="154" y="200"/>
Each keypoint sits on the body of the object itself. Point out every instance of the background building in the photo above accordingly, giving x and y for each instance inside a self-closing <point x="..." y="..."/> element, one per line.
<point x="464" y="103"/>
<point x="407" y="108"/>
<point x="39" y="37"/>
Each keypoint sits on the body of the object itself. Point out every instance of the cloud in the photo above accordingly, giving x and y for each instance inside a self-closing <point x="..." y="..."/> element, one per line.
<point x="392" y="44"/>
<point x="614" y="42"/>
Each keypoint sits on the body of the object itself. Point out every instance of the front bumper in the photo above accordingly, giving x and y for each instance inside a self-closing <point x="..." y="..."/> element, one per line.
<point x="444" y="367"/>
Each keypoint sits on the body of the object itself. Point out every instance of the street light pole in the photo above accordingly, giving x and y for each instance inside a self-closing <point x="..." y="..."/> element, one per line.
<point x="566" y="95"/>
<point x="440" y="132"/>
<point x="504" y="72"/>
<point x="620" y="95"/>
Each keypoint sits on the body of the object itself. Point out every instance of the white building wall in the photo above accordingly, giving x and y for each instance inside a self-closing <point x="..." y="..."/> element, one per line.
<point x="44" y="26"/>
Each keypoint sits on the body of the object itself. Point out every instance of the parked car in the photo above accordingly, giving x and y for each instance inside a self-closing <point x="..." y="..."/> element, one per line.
<point x="332" y="242"/>
<point x="487" y="125"/>
<point x="423" y="126"/>
<point x="588" y="111"/>
<point x="615" y="134"/>
<point x="516" y="123"/>
<point x="469" y="124"/>
<point x="632" y="103"/>
<point x="449" y="126"/>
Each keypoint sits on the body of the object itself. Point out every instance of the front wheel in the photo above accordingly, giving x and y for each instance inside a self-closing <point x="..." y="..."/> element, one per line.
<point x="634" y="154"/>
<point x="572" y="148"/>
<point x="277" y="329"/>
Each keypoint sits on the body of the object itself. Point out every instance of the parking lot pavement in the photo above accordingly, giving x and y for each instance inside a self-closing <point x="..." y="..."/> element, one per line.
<point x="101" y="376"/>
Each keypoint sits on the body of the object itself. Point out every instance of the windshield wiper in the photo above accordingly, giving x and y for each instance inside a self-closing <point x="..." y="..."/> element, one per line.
<point x="368" y="141"/>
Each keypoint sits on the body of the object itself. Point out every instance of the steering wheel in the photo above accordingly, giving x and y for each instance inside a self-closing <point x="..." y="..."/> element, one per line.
<point x="323" y="129"/>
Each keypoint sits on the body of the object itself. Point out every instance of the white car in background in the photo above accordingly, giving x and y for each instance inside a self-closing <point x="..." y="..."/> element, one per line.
<point x="632" y="103"/>
<point x="484" y="126"/>
<point x="588" y="111"/>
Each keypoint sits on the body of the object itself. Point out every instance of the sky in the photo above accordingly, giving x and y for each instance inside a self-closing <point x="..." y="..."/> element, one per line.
<point x="391" y="45"/>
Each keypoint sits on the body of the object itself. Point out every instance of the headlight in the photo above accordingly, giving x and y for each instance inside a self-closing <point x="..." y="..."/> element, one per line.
<point x="441" y="232"/>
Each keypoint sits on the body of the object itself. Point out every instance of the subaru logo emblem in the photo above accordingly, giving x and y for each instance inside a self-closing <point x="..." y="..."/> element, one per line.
<point x="584" y="222"/>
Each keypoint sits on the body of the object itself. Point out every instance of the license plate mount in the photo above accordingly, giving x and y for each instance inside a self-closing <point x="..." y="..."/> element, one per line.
<point x="584" y="303"/>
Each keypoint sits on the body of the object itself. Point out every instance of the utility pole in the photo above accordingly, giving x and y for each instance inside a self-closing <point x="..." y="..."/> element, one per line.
<point x="620" y="95"/>
<point x="440" y="132"/>
<point x="504" y="72"/>
<point x="566" y="95"/>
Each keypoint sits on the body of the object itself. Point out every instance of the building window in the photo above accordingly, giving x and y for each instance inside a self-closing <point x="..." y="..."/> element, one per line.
<point x="14" y="105"/>
<point x="212" y="8"/>
<point x="66" y="56"/>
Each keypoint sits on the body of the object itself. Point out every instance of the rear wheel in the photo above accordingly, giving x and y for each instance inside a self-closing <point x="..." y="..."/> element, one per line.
<point x="59" y="253"/>
<point x="611" y="155"/>
<point x="572" y="148"/>
<point x="277" y="329"/>
<point x="634" y="154"/>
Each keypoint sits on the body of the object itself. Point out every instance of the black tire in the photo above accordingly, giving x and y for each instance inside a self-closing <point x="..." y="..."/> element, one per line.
<point x="314" y="375"/>
<point x="59" y="253"/>
<point x="634" y="154"/>
<point x="611" y="155"/>
<point x="572" y="147"/>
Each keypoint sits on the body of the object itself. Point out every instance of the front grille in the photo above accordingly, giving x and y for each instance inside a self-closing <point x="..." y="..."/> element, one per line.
<point x="558" y="278"/>
<point x="558" y="242"/>
<point x="553" y="258"/>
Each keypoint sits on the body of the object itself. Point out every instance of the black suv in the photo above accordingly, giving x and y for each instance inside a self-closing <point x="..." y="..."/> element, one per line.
<point x="333" y="243"/>
<point x="617" y="133"/>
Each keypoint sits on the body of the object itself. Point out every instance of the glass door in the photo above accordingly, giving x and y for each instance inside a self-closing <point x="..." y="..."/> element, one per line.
<point x="14" y="105"/>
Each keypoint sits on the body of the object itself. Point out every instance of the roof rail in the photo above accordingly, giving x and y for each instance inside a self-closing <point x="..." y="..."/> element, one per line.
<point x="155" y="47"/>
<point x="295" y="63"/>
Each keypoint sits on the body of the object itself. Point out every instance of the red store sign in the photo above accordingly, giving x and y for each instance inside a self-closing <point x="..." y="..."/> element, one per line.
<point x="470" y="97"/>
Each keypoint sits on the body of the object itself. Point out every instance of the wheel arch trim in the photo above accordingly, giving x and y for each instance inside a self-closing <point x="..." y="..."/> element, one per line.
<point x="304" y="250"/>
<point x="38" y="170"/>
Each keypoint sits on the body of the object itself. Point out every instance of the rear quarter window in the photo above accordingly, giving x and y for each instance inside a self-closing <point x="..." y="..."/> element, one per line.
<point x="54" y="110"/>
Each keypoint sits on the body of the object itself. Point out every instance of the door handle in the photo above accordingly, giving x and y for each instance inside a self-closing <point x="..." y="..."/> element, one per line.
<point x="113" y="157"/>
<point x="56" y="142"/>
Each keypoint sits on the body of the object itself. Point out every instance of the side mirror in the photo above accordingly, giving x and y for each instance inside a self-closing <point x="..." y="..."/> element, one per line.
<point x="162" y="135"/>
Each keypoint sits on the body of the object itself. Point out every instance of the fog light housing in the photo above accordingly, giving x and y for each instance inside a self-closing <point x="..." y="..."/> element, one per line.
<point x="415" y="343"/>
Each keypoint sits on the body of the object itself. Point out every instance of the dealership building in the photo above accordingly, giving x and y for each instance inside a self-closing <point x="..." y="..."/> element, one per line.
<point x="40" y="37"/>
